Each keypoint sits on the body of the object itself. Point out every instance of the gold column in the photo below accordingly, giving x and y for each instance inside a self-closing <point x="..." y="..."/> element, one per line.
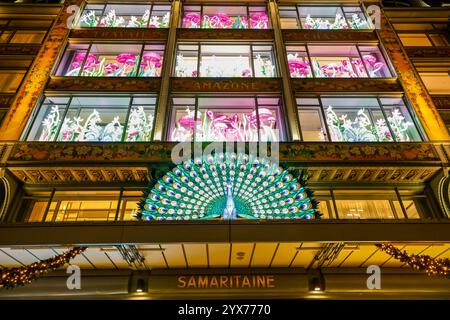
<point x="289" y="99"/>
<point x="413" y="86"/>
<point x="34" y="83"/>
<point x="169" y="55"/>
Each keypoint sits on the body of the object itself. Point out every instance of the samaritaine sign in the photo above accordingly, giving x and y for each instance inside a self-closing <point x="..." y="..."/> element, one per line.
<point x="226" y="282"/>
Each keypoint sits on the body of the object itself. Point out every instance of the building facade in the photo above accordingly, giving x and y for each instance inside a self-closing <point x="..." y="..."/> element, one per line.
<point x="352" y="96"/>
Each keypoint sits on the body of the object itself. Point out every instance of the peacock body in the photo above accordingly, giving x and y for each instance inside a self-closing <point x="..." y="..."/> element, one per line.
<point x="228" y="186"/>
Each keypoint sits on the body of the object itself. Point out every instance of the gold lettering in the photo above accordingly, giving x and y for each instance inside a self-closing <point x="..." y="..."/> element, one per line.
<point x="246" y="282"/>
<point x="261" y="281"/>
<point x="181" y="282"/>
<point x="214" y="282"/>
<point x="202" y="282"/>
<point x="270" y="282"/>
<point x="223" y="281"/>
<point x="192" y="283"/>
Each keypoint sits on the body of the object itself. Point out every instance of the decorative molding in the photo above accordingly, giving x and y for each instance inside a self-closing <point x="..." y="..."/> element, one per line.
<point x="120" y="33"/>
<point x="226" y="85"/>
<point x="19" y="49"/>
<point x="428" y="52"/>
<point x="328" y="35"/>
<point x="160" y="152"/>
<point x="139" y="174"/>
<point x="103" y="84"/>
<point x="68" y="175"/>
<point x="345" y="85"/>
<point x="224" y="34"/>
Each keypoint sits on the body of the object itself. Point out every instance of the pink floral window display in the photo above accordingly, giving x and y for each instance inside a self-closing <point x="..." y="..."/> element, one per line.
<point x="225" y="119"/>
<point x="225" y="17"/>
<point x="112" y="60"/>
<point x="151" y="15"/>
<point x="337" y="61"/>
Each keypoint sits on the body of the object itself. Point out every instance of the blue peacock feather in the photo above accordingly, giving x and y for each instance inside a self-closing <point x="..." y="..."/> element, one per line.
<point x="228" y="186"/>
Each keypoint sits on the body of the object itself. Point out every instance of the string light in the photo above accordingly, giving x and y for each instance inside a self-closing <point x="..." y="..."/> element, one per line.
<point x="432" y="266"/>
<point x="14" y="277"/>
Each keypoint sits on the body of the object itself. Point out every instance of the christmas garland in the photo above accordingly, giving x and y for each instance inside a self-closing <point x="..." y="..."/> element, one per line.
<point x="13" y="277"/>
<point x="432" y="266"/>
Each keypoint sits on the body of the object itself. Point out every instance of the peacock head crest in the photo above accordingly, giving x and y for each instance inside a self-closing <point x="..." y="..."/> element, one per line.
<point x="198" y="189"/>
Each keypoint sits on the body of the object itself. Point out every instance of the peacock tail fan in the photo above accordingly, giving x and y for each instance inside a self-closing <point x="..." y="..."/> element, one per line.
<point x="153" y="177"/>
<point x="228" y="186"/>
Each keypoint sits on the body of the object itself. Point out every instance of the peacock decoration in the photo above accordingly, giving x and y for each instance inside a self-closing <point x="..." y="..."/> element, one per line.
<point x="228" y="186"/>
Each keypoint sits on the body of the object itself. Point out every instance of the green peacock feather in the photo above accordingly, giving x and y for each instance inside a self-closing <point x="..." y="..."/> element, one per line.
<point x="228" y="186"/>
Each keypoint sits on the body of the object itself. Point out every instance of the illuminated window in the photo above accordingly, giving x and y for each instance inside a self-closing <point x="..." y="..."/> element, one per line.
<point x="125" y="15"/>
<point x="323" y="17"/>
<point x="415" y="39"/>
<point x="28" y="37"/>
<point x="112" y="60"/>
<point x="356" y="119"/>
<point x="116" y="205"/>
<point x="224" y="60"/>
<point x="94" y="118"/>
<point x="89" y="206"/>
<point x="225" y="17"/>
<point x="336" y="61"/>
<point x="436" y="82"/>
<point x="225" y="119"/>
<point x="10" y="80"/>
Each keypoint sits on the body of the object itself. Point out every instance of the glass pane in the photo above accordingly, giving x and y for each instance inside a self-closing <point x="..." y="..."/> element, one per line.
<point x="152" y="60"/>
<point x="94" y="119"/>
<point x="299" y="66"/>
<point x="130" y="209"/>
<point x="226" y="61"/>
<point x="400" y="121"/>
<point x="28" y="37"/>
<point x="364" y="209"/>
<point x="224" y="17"/>
<point x="4" y="37"/>
<point x="87" y="210"/>
<point x="411" y="209"/>
<point x="436" y="82"/>
<point x="336" y="62"/>
<point x="311" y="125"/>
<point x="120" y="15"/>
<point x="258" y="18"/>
<point x="47" y="122"/>
<point x="415" y="39"/>
<point x="72" y="60"/>
<point x="183" y="123"/>
<point x="374" y="62"/>
<point x="263" y="63"/>
<point x="91" y="15"/>
<point x="288" y="18"/>
<point x="37" y="211"/>
<point x="351" y="124"/>
<point x="140" y="123"/>
<point x="439" y="40"/>
<point x="10" y="80"/>
<point x="112" y="60"/>
<point x="355" y="18"/>
<point x="186" y="61"/>
<point x="270" y="123"/>
<point x="322" y="18"/>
